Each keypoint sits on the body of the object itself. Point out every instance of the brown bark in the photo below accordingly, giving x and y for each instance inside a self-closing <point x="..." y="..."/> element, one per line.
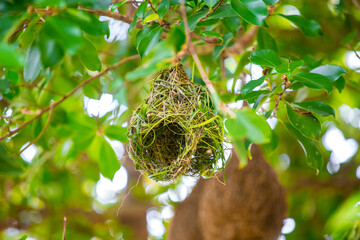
<point x="251" y="205"/>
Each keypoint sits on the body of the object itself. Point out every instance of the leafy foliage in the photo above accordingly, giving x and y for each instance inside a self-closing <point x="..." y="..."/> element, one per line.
<point x="279" y="61"/>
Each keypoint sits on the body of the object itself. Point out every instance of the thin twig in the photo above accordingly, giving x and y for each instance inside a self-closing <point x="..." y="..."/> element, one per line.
<point x="18" y="30"/>
<point x="54" y="104"/>
<point x="113" y="15"/>
<point x="152" y="7"/>
<point x="280" y="96"/>
<point x="192" y="51"/>
<point x="213" y="10"/>
<point x="36" y="86"/>
<point x="64" y="230"/>
<point x="356" y="54"/>
<point x="40" y="134"/>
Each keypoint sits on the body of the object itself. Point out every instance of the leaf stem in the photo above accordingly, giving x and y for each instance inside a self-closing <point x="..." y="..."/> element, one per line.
<point x="212" y="10"/>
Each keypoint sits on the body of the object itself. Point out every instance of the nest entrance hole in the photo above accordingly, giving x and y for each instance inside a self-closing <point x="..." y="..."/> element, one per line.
<point x="165" y="143"/>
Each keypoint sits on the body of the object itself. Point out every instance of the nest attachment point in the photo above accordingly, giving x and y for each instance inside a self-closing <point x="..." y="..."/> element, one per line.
<point x="176" y="131"/>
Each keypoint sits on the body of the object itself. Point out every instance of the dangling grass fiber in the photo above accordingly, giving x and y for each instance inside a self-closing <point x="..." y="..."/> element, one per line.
<point x="176" y="131"/>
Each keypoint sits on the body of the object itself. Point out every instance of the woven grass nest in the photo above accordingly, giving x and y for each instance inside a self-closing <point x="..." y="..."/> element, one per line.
<point x="176" y="131"/>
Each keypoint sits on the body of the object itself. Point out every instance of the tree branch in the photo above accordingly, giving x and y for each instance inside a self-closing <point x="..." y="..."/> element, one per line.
<point x="113" y="15"/>
<point x="193" y="53"/>
<point x="242" y="43"/>
<point x="152" y="7"/>
<point x="279" y="99"/>
<point x="36" y="86"/>
<point x="54" y="104"/>
<point x="213" y="10"/>
<point x="40" y="134"/>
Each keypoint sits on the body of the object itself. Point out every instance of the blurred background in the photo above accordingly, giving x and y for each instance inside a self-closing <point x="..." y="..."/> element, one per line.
<point x="61" y="177"/>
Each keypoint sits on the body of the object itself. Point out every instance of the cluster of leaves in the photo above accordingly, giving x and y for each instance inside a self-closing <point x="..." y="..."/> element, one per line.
<point x="284" y="77"/>
<point x="48" y="49"/>
<point x="40" y="72"/>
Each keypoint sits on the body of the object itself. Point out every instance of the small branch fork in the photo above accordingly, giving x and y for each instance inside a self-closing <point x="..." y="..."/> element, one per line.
<point x="213" y="10"/>
<point x="284" y="77"/>
<point x="193" y="53"/>
<point x="54" y="104"/>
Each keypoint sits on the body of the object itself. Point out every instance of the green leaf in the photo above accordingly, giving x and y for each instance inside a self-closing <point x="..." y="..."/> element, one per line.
<point x="312" y="62"/>
<point x="265" y="57"/>
<point x="252" y="11"/>
<point x="232" y="24"/>
<point x="227" y="39"/>
<point x="248" y="87"/>
<point x="259" y="101"/>
<point x="5" y="86"/>
<point x="306" y="123"/>
<point x="105" y="156"/>
<point x="224" y="11"/>
<point x="212" y="34"/>
<point x="143" y="33"/>
<point x="310" y="28"/>
<point x="332" y="72"/>
<point x="236" y="131"/>
<point x="65" y="32"/>
<point x="117" y="5"/>
<point x="9" y="164"/>
<point x="314" y="157"/>
<point x="194" y="19"/>
<point x="340" y="83"/>
<point x="13" y="77"/>
<point x="109" y="163"/>
<point x="270" y="2"/>
<point x="32" y="63"/>
<point x="149" y="41"/>
<point x="9" y="57"/>
<point x="240" y="151"/>
<point x="316" y="107"/>
<point x="265" y="41"/>
<point x="244" y="59"/>
<point x="120" y="92"/>
<point x="23" y="237"/>
<point x="151" y="17"/>
<point x="51" y="51"/>
<point x="177" y="38"/>
<point x="7" y="21"/>
<point x="133" y="24"/>
<point x="163" y="8"/>
<point x="115" y="132"/>
<point x="88" y="22"/>
<point x="350" y="37"/>
<point x="344" y="221"/>
<point x="257" y="129"/>
<point x="140" y="13"/>
<point x="88" y="56"/>
<point x="314" y="81"/>
<point x="287" y="67"/>
<point x="210" y="3"/>
<point x="251" y="96"/>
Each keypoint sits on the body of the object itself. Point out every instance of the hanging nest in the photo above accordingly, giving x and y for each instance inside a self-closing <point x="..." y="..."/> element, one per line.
<point x="176" y="131"/>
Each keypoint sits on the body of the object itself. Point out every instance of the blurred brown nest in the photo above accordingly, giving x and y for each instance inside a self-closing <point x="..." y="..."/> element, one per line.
<point x="176" y="131"/>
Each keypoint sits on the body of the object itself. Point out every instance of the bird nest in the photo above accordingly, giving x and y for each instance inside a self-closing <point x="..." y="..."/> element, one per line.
<point x="176" y="131"/>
